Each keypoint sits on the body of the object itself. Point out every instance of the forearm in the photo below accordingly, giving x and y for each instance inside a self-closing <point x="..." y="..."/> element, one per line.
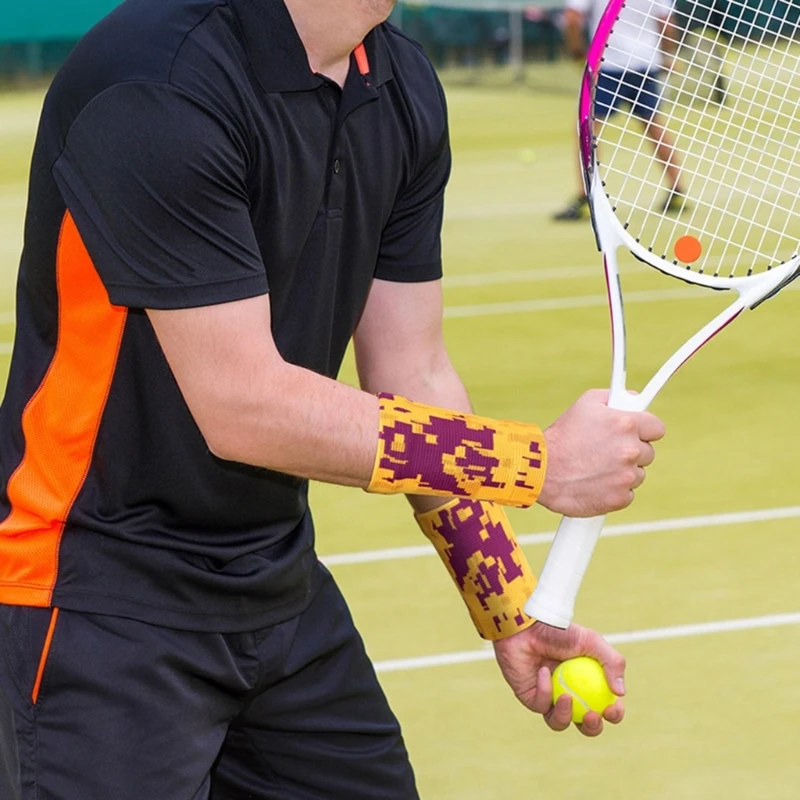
<point x="254" y="407"/>
<point x="437" y="386"/>
<point x="315" y="428"/>
<point x="293" y="420"/>
<point x="474" y="539"/>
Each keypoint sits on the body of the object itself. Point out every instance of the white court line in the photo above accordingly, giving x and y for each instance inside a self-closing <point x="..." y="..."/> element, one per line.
<point x="550" y="274"/>
<point x="545" y="304"/>
<point x="626" y="637"/>
<point x="627" y="529"/>
<point x="585" y="301"/>
<point x="563" y="303"/>
<point x="521" y="276"/>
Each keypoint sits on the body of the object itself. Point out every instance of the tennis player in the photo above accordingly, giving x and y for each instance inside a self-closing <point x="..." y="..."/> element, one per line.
<point x="627" y="79"/>
<point x="223" y="194"/>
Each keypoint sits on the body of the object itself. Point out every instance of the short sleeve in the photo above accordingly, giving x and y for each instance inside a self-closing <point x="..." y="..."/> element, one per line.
<point x="410" y="249"/>
<point x="156" y="184"/>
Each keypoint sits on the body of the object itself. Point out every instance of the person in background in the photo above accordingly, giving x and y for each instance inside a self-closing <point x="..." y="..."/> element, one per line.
<point x="628" y="78"/>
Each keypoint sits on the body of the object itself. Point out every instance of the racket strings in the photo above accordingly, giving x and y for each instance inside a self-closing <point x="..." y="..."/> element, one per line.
<point x="718" y="191"/>
<point x="751" y="177"/>
<point x="682" y="41"/>
<point x="740" y="165"/>
<point x="646" y="20"/>
<point x="777" y="172"/>
<point x="752" y="71"/>
<point x="699" y="55"/>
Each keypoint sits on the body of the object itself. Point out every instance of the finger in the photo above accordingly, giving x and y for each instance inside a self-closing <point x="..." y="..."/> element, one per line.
<point x="612" y="660"/>
<point x="543" y="698"/>
<point x="615" y="714"/>
<point x="627" y="501"/>
<point x="559" y="717"/>
<point x="638" y="479"/>
<point x="647" y="454"/>
<point x="592" y="724"/>
<point x="651" y="428"/>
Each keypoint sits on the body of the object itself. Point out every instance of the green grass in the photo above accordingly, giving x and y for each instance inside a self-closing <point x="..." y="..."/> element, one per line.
<point x="18" y="116"/>
<point x="708" y="717"/>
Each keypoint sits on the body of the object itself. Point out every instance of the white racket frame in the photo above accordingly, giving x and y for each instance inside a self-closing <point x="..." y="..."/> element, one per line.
<point x="553" y="600"/>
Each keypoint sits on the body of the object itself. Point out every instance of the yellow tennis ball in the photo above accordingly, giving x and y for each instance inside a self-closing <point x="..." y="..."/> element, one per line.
<point x="583" y="678"/>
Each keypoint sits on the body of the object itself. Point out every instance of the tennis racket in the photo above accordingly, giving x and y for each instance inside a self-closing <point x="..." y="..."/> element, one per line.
<point x="697" y="74"/>
<point x="739" y="227"/>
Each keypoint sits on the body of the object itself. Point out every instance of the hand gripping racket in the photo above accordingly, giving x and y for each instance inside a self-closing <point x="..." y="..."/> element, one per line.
<point x="735" y="224"/>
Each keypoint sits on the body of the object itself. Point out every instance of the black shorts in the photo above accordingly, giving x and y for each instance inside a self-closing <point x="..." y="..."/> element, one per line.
<point x="615" y="87"/>
<point x="130" y="711"/>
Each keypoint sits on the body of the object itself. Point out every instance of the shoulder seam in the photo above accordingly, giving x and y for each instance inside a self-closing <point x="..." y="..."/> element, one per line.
<point x="189" y="32"/>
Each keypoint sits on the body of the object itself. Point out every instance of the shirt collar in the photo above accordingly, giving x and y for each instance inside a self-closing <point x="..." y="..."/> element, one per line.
<point x="278" y="55"/>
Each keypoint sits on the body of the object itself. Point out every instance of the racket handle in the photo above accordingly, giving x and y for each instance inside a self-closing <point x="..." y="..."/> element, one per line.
<point x="553" y="599"/>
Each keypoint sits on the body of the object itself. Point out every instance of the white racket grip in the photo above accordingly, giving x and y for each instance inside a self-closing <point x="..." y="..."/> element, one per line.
<point x="553" y="599"/>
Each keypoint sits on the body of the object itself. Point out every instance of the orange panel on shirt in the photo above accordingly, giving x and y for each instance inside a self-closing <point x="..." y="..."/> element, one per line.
<point x="60" y="426"/>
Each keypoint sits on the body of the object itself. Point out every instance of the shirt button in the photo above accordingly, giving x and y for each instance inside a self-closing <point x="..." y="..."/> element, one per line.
<point x="336" y="166"/>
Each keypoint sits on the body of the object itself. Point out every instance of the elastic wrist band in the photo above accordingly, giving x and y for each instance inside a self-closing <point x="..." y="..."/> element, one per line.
<point x="427" y="450"/>
<point x="478" y="546"/>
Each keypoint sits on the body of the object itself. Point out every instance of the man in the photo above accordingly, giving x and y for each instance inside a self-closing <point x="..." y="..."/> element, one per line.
<point x="627" y="77"/>
<point x="222" y="194"/>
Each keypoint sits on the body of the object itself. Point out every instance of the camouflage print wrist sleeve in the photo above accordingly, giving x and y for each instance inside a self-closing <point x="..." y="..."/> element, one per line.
<point x="476" y="543"/>
<point x="427" y="450"/>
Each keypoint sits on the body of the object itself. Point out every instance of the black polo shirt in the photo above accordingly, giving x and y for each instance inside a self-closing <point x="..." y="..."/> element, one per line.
<point x="188" y="156"/>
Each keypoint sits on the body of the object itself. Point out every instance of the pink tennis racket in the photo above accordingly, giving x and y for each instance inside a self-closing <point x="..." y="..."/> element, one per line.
<point x="705" y="189"/>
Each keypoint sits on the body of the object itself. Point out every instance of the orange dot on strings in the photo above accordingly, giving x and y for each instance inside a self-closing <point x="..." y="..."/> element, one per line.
<point x="688" y="249"/>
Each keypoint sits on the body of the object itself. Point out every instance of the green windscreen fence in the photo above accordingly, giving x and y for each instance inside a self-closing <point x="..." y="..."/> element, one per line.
<point x="36" y="35"/>
<point x="50" y="20"/>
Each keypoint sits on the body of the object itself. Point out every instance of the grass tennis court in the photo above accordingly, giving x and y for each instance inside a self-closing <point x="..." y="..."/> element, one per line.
<point x="711" y="715"/>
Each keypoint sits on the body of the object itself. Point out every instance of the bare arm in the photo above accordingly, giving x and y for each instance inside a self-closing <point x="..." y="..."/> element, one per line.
<point x="399" y="346"/>
<point x="596" y="456"/>
<point x="252" y="406"/>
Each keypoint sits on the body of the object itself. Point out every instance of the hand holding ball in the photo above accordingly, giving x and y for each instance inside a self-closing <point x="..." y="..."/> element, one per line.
<point x="583" y="678"/>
